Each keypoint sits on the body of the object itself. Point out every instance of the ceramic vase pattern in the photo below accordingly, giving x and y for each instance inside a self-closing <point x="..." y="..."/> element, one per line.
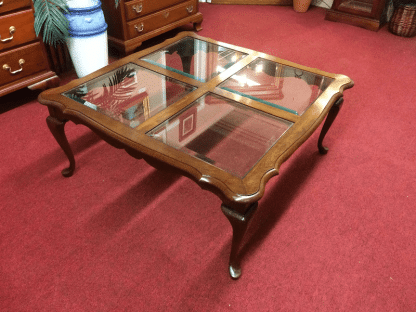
<point x="87" y="42"/>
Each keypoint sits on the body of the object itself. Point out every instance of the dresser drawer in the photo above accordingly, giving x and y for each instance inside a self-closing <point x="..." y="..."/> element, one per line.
<point x="10" y="5"/>
<point x="139" y="8"/>
<point x="16" y="29"/>
<point x="159" y="19"/>
<point x="34" y="62"/>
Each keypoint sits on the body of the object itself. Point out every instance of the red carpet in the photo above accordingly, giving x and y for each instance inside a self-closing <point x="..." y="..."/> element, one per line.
<point x="333" y="233"/>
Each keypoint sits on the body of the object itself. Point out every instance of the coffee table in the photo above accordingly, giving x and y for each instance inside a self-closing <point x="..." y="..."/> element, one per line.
<point x="224" y="116"/>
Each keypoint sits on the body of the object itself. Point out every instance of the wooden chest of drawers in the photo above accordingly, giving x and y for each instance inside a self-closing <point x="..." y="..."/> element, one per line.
<point x="23" y="59"/>
<point x="135" y="21"/>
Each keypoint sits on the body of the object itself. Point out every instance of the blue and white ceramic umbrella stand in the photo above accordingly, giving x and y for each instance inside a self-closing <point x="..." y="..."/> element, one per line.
<point x="87" y="42"/>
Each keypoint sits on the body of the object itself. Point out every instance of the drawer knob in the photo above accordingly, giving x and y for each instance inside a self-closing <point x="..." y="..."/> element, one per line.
<point x="138" y="8"/>
<point x="1" y="3"/>
<point x="190" y="8"/>
<point x="12" y="30"/>
<point x="7" y="67"/>
<point x="139" y="28"/>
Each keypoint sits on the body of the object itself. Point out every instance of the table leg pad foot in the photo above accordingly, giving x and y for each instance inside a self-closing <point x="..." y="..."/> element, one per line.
<point x="67" y="172"/>
<point x="235" y="272"/>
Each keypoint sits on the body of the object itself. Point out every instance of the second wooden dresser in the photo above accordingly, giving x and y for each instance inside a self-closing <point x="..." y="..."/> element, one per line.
<point x="135" y="21"/>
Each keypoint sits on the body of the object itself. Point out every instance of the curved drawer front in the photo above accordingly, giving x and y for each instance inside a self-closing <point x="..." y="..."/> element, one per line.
<point x="12" y="67"/>
<point x="10" y="5"/>
<point x="157" y="20"/>
<point x="16" y="29"/>
<point x="139" y="8"/>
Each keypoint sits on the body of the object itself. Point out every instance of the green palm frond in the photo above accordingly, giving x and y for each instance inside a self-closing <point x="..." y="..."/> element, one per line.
<point x="50" y="20"/>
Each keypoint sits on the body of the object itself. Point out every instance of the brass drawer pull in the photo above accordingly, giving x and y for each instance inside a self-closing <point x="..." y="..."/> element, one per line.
<point x="7" y="67"/>
<point x="190" y="8"/>
<point x="12" y="30"/>
<point x="138" y="8"/>
<point x="139" y="28"/>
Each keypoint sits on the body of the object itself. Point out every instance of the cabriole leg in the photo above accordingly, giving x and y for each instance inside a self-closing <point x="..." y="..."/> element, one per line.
<point x="57" y="128"/>
<point x="333" y="112"/>
<point x="239" y="223"/>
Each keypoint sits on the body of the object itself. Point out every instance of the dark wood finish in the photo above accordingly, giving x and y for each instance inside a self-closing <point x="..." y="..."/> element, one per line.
<point x="23" y="58"/>
<point x="12" y="5"/>
<point x="328" y="123"/>
<point x="56" y="127"/>
<point x="368" y="14"/>
<point x="59" y="58"/>
<point x="254" y="2"/>
<point x="158" y="19"/>
<point x="25" y="32"/>
<point x="136" y="21"/>
<point x="239" y="223"/>
<point x="47" y="83"/>
<point x="34" y="62"/>
<point x="140" y="8"/>
<point x="238" y="195"/>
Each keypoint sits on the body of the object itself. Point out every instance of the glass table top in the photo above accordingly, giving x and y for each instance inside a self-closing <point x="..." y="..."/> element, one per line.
<point x="277" y="85"/>
<point x="195" y="58"/>
<point x="130" y="94"/>
<point x="211" y="125"/>
<point x="222" y="132"/>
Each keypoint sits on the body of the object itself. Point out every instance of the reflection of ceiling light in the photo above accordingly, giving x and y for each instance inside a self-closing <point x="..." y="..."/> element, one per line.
<point x="259" y="68"/>
<point x="234" y="58"/>
<point x="242" y="80"/>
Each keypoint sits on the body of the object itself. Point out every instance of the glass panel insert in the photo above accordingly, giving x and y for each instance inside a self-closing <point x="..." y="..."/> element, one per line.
<point x="284" y="87"/>
<point x="224" y="133"/>
<point x="195" y="58"/>
<point x="130" y="94"/>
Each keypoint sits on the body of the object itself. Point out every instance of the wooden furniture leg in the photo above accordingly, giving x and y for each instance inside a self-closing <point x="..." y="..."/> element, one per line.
<point x="198" y="26"/>
<point x="328" y="122"/>
<point x="57" y="126"/>
<point x="239" y="223"/>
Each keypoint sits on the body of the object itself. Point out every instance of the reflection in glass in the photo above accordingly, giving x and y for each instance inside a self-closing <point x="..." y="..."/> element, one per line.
<point x="195" y="58"/>
<point x="358" y="5"/>
<point x="227" y="134"/>
<point x="130" y="94"/>
<point x="284" y="87"/>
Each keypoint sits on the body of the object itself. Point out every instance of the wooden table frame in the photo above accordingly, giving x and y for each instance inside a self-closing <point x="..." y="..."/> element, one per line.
<point x="239" y="195"/>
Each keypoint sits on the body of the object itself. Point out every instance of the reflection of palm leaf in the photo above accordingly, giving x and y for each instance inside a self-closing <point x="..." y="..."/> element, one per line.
<point x="78" y="93"/>
<point x="75" y="97"/>
<point x="116" y="90"/>
<point x="111" y="95"/>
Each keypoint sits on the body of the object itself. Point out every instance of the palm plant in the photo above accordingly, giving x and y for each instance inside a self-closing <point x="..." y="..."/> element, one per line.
<point x="51" y="21"/>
